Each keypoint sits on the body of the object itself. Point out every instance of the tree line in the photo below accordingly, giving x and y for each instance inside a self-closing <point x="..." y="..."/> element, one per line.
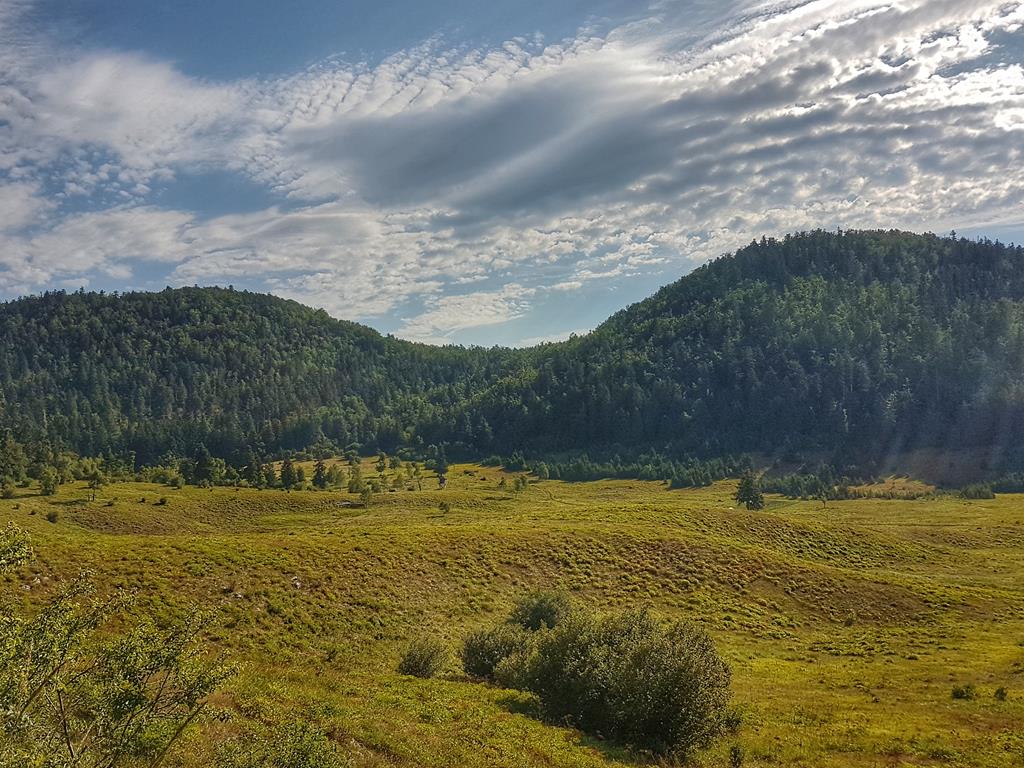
<point x="849" y="345"/>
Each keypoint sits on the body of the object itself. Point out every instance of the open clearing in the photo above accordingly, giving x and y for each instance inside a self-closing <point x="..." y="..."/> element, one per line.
<point x="846" y="626"/>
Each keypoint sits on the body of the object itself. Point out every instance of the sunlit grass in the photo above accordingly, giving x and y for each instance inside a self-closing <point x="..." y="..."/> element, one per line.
<point x="846" y="626"/>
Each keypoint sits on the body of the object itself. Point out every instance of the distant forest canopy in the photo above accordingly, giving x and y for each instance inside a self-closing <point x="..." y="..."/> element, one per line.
<point x="848" y="345"/>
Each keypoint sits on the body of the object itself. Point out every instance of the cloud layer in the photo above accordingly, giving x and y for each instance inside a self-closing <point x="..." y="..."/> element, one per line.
<point x="453" y="187"/>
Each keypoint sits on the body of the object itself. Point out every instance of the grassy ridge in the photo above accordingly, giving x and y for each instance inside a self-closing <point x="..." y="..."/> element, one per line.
<point x="846" y="627"/>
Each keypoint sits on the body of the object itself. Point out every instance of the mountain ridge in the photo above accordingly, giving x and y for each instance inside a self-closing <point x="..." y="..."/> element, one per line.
<point x="860" y="343"/>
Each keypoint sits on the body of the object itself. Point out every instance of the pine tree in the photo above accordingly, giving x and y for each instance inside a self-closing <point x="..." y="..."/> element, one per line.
<point x="749" y="492"/>
<point x="320" y="475"/>
<point x="288" y="475"/>
<point x="355" y="480"/>
<point x="269" y="476"/>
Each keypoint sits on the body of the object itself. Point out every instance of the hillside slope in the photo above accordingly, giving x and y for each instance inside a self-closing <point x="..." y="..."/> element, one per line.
<point x="873" y="342"/>
<point x="159" y="372"/>
<point x="849" y="344"/>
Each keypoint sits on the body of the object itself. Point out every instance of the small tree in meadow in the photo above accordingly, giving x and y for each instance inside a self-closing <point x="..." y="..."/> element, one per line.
<point x="320" y="475"/>
<point x="356" y="484"/>
<point x="49" y="481"/>
<point x="96" y="481"/>
<point x="442" y="461"/>
<point x="749" y="492"/>
<point x="288" y="475"/>
<point x="366" y="494"/>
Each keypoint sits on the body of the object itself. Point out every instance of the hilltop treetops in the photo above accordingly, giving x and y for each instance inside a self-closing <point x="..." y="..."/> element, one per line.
<point x="851" y="346"/>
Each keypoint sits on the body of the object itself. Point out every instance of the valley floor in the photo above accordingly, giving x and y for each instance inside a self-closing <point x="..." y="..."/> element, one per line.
<point x="846" y="626"/>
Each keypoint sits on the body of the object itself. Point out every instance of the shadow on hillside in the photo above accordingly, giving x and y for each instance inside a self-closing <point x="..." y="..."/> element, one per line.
<point x="528" y="706"/>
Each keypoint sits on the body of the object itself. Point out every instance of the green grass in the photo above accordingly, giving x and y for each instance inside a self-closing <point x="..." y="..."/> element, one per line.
<point x="846" y="627"/>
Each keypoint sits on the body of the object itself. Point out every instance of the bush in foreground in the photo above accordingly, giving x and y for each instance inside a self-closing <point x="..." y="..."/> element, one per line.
<point x="74" y="694"/>
<point x="626" y="676"/>
<point x="424" y="657"/>
<point x="541" y="610"/>
<point x="484" y="649"/>
<point x="629" y="677"/>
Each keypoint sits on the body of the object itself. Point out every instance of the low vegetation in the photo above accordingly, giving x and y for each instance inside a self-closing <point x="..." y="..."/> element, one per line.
<point x="425" y="657"/>
<point x="845" y="629"/>
<point x="72" y="699"/>
<point x="624" y="675"/>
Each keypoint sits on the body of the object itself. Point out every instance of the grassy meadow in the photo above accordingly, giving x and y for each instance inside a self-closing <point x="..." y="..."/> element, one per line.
<point x="847" y="625"/>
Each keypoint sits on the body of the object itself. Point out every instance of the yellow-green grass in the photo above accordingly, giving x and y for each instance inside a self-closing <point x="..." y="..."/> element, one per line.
<point x="846" y="626"/>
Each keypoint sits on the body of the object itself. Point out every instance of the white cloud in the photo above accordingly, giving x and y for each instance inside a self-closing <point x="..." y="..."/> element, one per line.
<point x="539" y="167"/>
<point x="447" y="314"/>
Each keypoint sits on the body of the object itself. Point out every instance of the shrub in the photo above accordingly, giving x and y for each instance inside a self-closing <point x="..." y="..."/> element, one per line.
<point x="541" y="609"/>
<point x="484" y="649"/>
<point x="122" y="697"/>
<point x="514" y="670"/>
<point x="964" y="692"/>
<point x="424" y="657"/>
<point x="977" y="491"/>
<point x="1000" y="694"/>
<point x="660" y="687"/>
<point x="49" y="480"/>
<point x="51" y="516"/>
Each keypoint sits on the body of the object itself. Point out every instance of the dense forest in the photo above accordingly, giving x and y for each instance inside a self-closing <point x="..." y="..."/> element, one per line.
<point x="848" y="344"/>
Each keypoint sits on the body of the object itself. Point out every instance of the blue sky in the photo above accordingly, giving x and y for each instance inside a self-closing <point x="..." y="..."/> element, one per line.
<point x="498" y="173"/>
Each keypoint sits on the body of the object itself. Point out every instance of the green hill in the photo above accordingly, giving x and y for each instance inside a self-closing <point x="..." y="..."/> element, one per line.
<point x="853" y="346"/>
<point x="862" y="341"/>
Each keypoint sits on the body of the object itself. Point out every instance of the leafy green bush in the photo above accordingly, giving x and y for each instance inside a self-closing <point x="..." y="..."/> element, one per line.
<point x="627" y="676"/>
<point x="67" y="684"/>
<point x="424" y="657"/>
<point x="49" y="481"/>
<point x="977" y="491"/>
<point x="541" y="609"/>
<point x="484" y="649"/>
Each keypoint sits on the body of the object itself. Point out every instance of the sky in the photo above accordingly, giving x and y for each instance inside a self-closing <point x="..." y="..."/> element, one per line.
<point x="507" y="172"/>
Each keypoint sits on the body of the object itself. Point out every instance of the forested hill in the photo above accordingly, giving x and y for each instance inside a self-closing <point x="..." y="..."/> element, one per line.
<point x="866" y="342"/>
<point x="159" y="373"/>
<point x="863" y="342"/>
